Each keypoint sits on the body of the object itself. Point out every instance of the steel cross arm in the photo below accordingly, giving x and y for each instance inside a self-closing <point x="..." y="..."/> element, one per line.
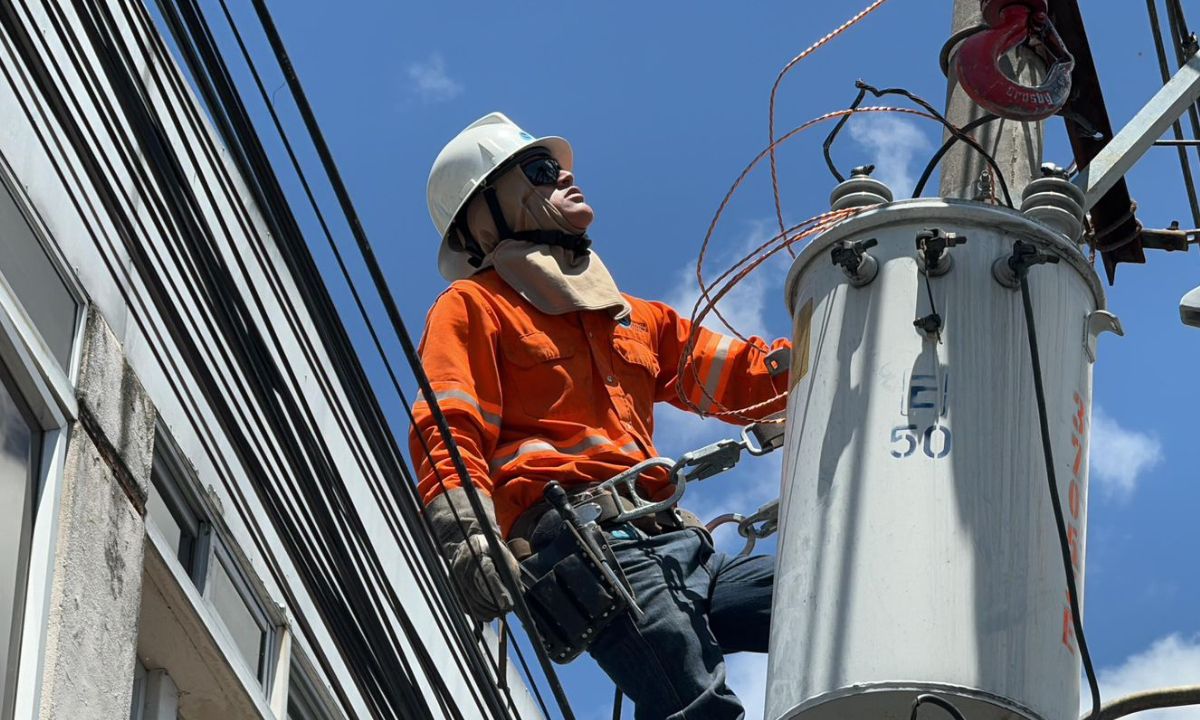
<point x="1139" y="135"/>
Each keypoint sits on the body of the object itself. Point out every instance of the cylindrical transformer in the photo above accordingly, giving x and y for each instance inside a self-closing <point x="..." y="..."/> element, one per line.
<point x="918" y="550"/>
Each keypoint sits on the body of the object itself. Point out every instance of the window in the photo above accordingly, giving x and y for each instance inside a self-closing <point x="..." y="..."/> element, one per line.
<point x="20" y="441"/>
<point x="138" y="702"/>
<point x="174" y="513"/>
<point x="303" y="700"/>
<point x="40" y="318"/>
<point x="242" y="614"/>
<point x="200" y="543"/>
<point x="35" y="280"/>
<point x="155" y="696"/>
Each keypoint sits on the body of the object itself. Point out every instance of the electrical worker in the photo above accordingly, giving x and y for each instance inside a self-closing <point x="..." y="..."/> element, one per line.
<point x="547" y="372"/>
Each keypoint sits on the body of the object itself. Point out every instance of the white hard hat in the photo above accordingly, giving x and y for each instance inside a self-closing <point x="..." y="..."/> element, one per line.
<point x="462" y="166"/>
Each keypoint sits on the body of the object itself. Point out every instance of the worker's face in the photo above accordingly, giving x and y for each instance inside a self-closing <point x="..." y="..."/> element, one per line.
<point x="566" y="196"/>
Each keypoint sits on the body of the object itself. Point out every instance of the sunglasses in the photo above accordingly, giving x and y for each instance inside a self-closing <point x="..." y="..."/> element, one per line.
<point x="541" y="170"/>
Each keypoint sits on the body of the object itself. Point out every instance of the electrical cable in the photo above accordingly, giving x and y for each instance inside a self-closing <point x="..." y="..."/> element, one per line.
<point x="319" y="450"/>
<point x="1022" y="272"/>
<point x="705" y="297"/>
<point x="708" y="234"/>
<point x="407" y="345"/>
<point x="527" y="672"/>
<point x="108" y="194"/>
<point x="826" y="148"/>
<point x="935" y="700"/>
<point x="1185" y="165"/>
<point x="945" y="148"/>
<point x="411" y="561"/>
<point x="1151" y="700"/>
<point x="1182" y="36"/>
<point x="954" y="130"/>
<point x="99" y="180"/>
<point x="933" y="313"/>
<point x="955" y="39"/>
<point x="707" y="302"/>
<point x="231" y="314"/>
<point x="771" y="143"/>
<point x="356" y="296"/>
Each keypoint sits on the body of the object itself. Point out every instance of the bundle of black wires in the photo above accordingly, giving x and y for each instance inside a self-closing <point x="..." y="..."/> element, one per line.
<point x="182" y="255"/>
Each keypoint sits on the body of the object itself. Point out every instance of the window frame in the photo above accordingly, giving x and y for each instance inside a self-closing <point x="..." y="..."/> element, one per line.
<point x="48" y="390"/>
<point x="221" y="555"/>
<point x="137" y="703"/>
<point x="60" y="381"/>
<point x="12" y="651"/>
<point x="179" y="489"/>
<point x="302" y="674"/>
<point x="174" y="486"/>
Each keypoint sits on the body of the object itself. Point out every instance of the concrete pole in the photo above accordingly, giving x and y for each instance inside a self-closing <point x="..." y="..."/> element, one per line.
<point x="1016" y="146"/>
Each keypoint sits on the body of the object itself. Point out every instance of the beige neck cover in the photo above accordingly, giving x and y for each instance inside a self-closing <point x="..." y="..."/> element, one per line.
<point x="554" y="279"/>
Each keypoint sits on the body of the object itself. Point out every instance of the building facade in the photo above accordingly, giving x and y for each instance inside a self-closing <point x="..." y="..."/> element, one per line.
<point x="202" y="514"/>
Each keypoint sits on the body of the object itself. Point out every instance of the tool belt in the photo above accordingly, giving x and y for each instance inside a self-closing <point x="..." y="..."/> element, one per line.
<point x="568" y="595"/>
<point x="611" y="505"/>
<point x="573" y="585"/>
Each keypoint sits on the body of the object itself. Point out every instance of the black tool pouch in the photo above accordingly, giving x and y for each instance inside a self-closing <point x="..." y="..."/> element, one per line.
<point x="568" y="596"/>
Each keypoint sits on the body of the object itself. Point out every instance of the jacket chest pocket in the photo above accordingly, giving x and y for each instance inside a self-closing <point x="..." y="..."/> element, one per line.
<point x="544" y="371"/>
<point x="637" y="365"/>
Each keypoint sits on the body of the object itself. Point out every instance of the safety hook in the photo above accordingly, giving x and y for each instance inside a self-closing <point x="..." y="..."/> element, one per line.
<point x="1011" y="23"/>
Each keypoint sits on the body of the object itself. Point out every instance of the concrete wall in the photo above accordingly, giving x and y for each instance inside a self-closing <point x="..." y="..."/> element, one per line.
<point x="97" y="589"/>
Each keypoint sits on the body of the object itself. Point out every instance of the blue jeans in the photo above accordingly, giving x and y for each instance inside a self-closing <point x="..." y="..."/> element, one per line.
<point x="699" y="604"/>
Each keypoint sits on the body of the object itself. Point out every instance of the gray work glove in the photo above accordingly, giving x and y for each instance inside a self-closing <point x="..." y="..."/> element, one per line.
<point x="472" y="564"/>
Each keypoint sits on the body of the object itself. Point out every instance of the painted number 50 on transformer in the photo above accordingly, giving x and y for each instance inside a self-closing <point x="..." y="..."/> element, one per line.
<point x="934" y="440"/>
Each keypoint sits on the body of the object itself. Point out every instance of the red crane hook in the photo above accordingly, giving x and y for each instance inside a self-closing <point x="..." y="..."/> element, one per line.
<point x="1011" y="23"/>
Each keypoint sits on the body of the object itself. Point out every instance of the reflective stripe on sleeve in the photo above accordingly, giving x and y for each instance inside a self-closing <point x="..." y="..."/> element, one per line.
<point x="712" y="379"/>
<point x="464" y="397"/>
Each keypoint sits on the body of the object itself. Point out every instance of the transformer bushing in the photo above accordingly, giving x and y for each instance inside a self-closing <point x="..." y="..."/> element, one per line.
<point x="859" y="190"/>
<point x="1055" y="202"/>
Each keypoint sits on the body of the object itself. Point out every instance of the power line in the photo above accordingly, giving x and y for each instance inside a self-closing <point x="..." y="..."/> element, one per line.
<point x="1185" y="166"/>
<point x="404" y="337"/>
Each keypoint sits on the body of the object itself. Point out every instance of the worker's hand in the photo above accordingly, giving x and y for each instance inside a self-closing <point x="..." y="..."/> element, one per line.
<point x="472" y="563"/>
<point x="473" y="567"/>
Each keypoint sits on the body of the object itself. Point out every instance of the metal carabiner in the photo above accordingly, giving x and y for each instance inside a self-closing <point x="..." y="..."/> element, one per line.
<point x="1012" y="23"/>
<point x="733" y="518"/>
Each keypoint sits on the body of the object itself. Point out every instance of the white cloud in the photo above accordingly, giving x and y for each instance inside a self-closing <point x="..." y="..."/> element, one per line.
<point x="1119" y="456"/>
<point x="1170" y="661"/>
<point x="893" y="143"/>
<point x="430" y="82"/>
<point x="744" y="306"/>
<point x="747" y="676"/>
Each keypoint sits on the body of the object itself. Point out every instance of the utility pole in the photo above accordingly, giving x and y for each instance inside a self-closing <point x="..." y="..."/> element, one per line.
<point x="1016" y="146"/>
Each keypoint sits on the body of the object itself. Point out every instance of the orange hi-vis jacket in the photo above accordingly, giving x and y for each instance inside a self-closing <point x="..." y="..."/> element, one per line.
<point x="532" y="397"/>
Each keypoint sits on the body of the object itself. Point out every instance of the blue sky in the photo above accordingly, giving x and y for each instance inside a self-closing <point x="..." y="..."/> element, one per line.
<point x="664" y="104"/>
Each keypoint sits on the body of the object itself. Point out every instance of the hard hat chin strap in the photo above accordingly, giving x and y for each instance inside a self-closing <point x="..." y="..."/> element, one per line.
<point x="578" y="244"/>
<point x="467" y="243"/>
